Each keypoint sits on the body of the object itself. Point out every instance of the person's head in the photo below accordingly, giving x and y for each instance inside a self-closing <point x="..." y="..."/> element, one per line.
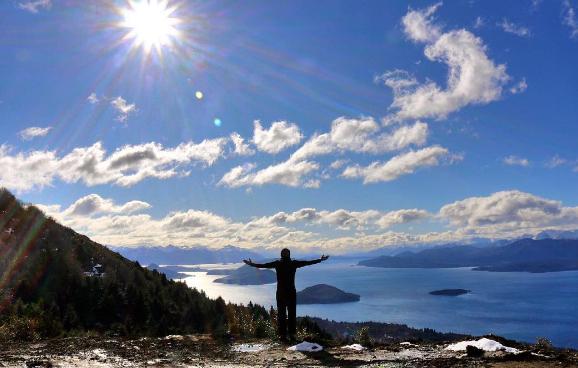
<point x="285" y="254"/>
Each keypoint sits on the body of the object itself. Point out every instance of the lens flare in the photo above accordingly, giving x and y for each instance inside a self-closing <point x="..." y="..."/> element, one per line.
<point x="151" y="24"/>
<point x="217" y="122"/>
<point x="199" y="95"/>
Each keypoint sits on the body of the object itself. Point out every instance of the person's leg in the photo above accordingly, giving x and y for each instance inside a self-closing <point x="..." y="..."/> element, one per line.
<point x="281" y="317"/>
<point x="292" y="315"/>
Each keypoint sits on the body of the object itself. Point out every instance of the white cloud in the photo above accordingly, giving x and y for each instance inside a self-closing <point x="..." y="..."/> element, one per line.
<point x="516" y="161"/>
<point x="279" y="136"/>
<point x="403" y="164"/>
<point x="338" y="164"/>
<point x="506" y="214"/>
<point x="94" y="204"/>
<point x="515" y="29"/>
<point x="33" y="132"/>
<point x="241" y="148"/>
<point x="192" y="219"/>
<point x="402" y="217"/>
<point x="519" y="87"/>
<point x="509" y="213"/>
<point x="418" y="24"/>
<point x="123" y="108"/>
<point x="33" y="6"/>
<point x="93" y="99"/>
<point x="346" y="135"/>
<point x="344" y="219"/>
<point x="312" y="184"/>
<point x="473" y="77"/>
<point x="360" y="135"/>
<point x="289" y="173"/>
<point x="91" y="165"/>
<point x="570" y="20"/>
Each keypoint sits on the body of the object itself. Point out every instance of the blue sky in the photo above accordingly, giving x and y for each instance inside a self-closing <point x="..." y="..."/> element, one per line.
<point x="425" y="122"/>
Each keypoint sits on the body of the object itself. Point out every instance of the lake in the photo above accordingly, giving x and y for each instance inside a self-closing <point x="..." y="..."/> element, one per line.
<point x="515" y="305"/>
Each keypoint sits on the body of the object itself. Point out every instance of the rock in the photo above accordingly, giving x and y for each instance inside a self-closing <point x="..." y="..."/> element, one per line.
<point x="325" y="294"/>
<point x="474" y="352"/>
<point x="450" y="292"/>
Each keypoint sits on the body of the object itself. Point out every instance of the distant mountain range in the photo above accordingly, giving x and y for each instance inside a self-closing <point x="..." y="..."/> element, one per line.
<point x="524" y="255"/>
<point x="173" y="255"/>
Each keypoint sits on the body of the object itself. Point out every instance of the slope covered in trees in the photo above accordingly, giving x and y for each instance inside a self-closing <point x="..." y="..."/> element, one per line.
<point x="55" y="281"/>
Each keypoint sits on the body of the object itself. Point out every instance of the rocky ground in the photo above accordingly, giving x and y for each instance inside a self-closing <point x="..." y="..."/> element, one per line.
<point x="203" y="351"/>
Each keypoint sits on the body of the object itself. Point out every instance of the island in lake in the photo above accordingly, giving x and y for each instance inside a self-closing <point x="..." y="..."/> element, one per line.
<point x="170" y="273"/>
<point x="325" y="294"/>
<point x="246" y="275"/>
<point x="450" y="292"/>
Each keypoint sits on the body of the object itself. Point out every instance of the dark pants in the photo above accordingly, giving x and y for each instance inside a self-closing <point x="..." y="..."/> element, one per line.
<point x="286" y="312"/>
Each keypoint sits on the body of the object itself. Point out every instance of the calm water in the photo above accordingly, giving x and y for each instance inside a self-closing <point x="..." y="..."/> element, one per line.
<point x="516" y="305"/>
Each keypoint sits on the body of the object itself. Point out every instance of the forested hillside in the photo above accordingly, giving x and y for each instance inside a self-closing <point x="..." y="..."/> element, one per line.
<point x="54" y="281"/>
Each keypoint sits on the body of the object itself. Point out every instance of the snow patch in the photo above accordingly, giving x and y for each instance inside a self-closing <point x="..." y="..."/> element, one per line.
<point x="174" y="337"/>
<point x="406" y="343"/>
<point x="250" y="348"/>
<point x="484" y="344"/>
<point x="306" y="346"/>
<point x="356" y="347"/>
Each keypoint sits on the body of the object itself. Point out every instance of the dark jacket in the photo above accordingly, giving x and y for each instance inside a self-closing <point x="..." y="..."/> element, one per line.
<point x="285" y="270"/>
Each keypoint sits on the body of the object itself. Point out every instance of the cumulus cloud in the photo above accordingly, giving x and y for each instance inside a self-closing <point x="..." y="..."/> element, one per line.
<point x="123" y="108"/>
<point x="34" y="6"/>
<point x="473" y="77"/>
<point x="509" y="213"/>
<point x="94" y="204"/>
<point x="241" y="148"/>
<point x="34" y="132"/>
<point x="338" y="164"/>
<point x="402" y="217"/>
<point x="506" y="214"/>
<point x="402" y="164"/>
<point x="192" y="219"/>
<point x="569" y="18"/>
<point x="515" y="29"/>
<point x="289" y="173"/>
<point x="516" y="161"/>
<point x="361" y="136"/>
<point x="279" y="136"/>
<point x="345" y="219"/>
<point x="419" y="26"/>
<point x="92" y="165"/>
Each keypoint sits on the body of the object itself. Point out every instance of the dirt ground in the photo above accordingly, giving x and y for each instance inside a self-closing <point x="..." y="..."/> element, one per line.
<point x="203" y="351"/>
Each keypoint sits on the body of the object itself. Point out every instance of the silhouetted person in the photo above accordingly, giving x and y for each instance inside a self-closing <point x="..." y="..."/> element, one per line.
<point x="286" y="293"/>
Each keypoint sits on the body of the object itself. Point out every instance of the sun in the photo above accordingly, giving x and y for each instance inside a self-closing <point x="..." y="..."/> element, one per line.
<point x="151" y="24"/>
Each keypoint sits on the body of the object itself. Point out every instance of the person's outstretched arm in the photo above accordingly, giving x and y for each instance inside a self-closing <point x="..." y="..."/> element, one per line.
<point x="312" y="262"/>
<point x="260" y="265"/>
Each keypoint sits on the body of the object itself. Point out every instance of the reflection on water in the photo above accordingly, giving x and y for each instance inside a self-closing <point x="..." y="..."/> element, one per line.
<point x="513" y="304"/>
